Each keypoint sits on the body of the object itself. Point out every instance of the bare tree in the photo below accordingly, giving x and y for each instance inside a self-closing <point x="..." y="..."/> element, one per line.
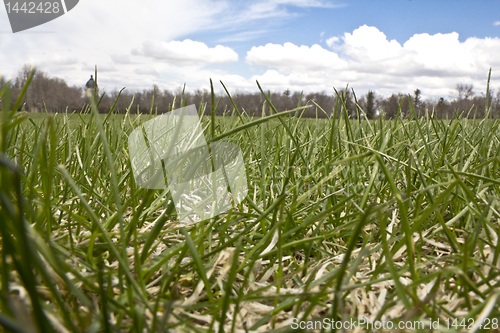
<point x="464" y="91"/>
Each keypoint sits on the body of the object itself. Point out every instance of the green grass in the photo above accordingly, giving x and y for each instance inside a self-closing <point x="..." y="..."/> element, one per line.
<point x="389" y="220"/>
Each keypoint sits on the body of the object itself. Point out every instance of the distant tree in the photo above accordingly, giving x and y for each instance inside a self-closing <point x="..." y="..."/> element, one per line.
<point x="391" y="106"/>
<point x="370" y="104"/>
<point x="47" y="93"/>
<point x="464" y="91"/>
<point x="496" y="105"/>
<point x="417" y="103"/>
<point x="416" y="98"/>
<point x="21" y="79"/>
<point x="443" y="108"/>
<point x="23" y="75"/>
<point x="362" y="105"/>
<point x="322" y="99"/>
<point x="55" y="95"/>
<point x="346" y="96"/>
<point x="296" y="98"/>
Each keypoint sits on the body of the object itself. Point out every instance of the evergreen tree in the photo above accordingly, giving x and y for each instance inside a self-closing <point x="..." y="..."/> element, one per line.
<point x="370" y="105"/>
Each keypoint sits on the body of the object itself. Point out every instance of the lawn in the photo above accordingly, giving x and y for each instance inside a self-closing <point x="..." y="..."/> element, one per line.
<point x="393" y="221"/>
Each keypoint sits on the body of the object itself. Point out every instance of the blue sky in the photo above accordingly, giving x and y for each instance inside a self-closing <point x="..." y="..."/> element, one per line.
<point x="398" y="19"/>
<point x="310" y="45"/>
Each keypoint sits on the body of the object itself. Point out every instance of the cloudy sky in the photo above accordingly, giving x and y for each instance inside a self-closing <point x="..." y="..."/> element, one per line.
<point x="310" y="45"/>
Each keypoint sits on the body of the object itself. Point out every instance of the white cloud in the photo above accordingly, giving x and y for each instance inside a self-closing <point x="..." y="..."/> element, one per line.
<point x="106" y="32"/>
<point x="242" y="36"/>
<point x="331" y="41"/>
<point x="366" y="59"/>
<point x="496" y="23"/>
<point x="259" y="15"/>
<point x="146" y="71"/>
<point x="295" y="81"/>
<point x="121" y="58"/>
<point x="369" y="44"/>
<point x="187" y="52"/>
<point x="291" y="57"/>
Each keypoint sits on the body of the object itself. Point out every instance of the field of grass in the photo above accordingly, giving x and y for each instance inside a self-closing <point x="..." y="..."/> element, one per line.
<point x="393" y="221"/>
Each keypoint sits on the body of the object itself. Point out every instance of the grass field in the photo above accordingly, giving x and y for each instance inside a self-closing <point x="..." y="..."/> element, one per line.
<point x="393" y="221"/>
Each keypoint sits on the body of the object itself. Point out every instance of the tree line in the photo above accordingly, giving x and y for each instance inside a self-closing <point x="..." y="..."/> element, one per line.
<point x="49" y="94"/>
